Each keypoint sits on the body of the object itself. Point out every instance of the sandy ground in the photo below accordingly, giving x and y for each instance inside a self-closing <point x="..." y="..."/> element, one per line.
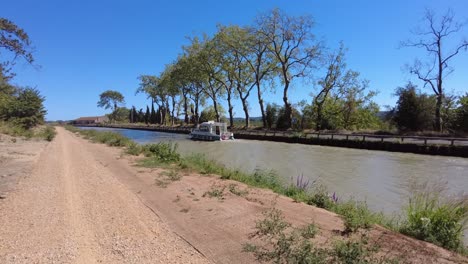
<point x="16" y="159"/>
<point x="71" y="209"/>
<point x="87" y="203"/>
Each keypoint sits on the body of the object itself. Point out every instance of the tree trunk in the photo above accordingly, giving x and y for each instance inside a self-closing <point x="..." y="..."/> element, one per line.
<point x="318" y="122"/>
<point x="230" y="108"/>
<point x="186" y="118"/>
<point x="260" y="101"/>
<point x="215" y="105"/>
<point x="173" y="109"/>
<point x="287" y="106"/>
<point x="197" y="116"/>
<point x="246" y="111"/>
<point x="438" y="116"/>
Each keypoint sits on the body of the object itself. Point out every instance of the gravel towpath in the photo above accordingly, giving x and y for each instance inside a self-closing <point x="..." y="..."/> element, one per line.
<point x="71" y="209"/>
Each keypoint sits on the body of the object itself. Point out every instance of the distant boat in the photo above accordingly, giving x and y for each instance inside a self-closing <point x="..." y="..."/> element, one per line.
<point x="211" y="131"/>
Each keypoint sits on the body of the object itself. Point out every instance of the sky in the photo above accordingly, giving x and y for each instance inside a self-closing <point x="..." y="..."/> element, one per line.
<point x="83" y="48"/>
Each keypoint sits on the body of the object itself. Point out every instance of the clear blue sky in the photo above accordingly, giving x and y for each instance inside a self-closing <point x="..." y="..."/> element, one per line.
<point x="87" y="47"/>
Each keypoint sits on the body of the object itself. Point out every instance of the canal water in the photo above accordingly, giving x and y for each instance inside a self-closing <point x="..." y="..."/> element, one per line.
<point x="383" y="179"/>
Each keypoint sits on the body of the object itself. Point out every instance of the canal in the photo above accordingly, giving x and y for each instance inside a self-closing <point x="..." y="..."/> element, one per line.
<point x="383" y="179"/>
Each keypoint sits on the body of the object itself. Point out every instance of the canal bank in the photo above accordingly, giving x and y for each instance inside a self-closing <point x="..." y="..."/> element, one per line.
<point x="350" y="151"/>
<point x="443" y="146"/>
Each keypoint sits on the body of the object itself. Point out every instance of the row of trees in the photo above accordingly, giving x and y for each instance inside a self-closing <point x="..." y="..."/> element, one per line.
<point x="276" y="51"/>
<point x="21" y="106"/>
<point x="240" y="62"/>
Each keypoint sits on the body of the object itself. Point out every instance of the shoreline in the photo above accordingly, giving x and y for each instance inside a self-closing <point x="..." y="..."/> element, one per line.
<point x="331" y="140"/>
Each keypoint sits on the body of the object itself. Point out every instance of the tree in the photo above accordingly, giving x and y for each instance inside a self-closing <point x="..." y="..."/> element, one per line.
<point x="111" y="100"/>
<point x="293" y="46"/>
<point x="209" y="114"/>
<point x="414" y="111"/>
<point x="433" y="40"/>
<point x="271" y="114"/>
<point x="16" y="43"/>
<point x="335" y="78"/>
<point x="24" y="108"/>
<point x="461" y="119"/>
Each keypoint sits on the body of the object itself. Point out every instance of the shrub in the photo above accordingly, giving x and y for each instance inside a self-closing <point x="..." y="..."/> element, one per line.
<point x="163" y="152"/>
<point x="320" y="197"/>
<point x="133" y="149"/>
<point x="356" y="215"/>
<point x="48" y="133"/>
<point x="283" y="244"/>
<point x="432" y="219"/>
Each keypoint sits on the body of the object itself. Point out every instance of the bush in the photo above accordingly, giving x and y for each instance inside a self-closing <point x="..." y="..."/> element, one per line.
<point x="320" y="198"/>
<point x="356" y="215"/>
<point x="133" y="149"/>
<point x="282" y="243"/>
<point x="431" y="219"/>
<point x="48" y="133"/>
<point x="163" y="152"/>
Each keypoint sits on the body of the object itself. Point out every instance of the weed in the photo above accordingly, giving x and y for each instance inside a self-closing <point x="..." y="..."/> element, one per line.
<point x="177" y="199"/>
<point x="215" y="192"/>
<point x="356" y="215"/>
<point x="309" y="231"/>
<point x="320" y="197"/>
<point x="163" y="152"/>
<point x="233" y="188"/>
<point x="281" y="243"/>
<point x="172" y="175"/>
<point x="48" y="133"/>
<point x="433" y="219"/>
<point x="133" y="149"/>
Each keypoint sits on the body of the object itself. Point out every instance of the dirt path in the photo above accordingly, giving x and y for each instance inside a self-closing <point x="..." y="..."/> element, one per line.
<point x="71" y="209"/>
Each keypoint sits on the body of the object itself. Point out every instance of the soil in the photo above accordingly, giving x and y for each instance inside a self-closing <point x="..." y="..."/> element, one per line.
<point x="86" y="203"/>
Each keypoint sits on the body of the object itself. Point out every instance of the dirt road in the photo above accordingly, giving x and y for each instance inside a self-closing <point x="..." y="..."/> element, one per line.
<point x="71" y="209"/>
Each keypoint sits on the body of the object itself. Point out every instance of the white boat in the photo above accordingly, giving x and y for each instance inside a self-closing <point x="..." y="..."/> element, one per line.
<point x="211" y="131"/>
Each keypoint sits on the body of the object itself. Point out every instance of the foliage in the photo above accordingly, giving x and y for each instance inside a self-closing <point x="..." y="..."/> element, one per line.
<point x="414" y="111"/>
<point x="280" y="242"/>
<point x="461" y="114"/>
<point x="356" y="215"/>
<point x="209" y="114"/>
<point x="433" y="219"/>
<point x="23" y="107"/>
<point x="283" y="244"/>
<point x="162" y="152"/>
<point x="120" y="115"/>
<point x="271" y="114"/>
<point x="16" y="42"/>
<point x="48" y="133"/>
<point x="110" y="99"/>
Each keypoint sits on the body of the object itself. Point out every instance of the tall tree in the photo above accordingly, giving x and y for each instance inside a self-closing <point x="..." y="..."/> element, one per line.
<point x="111" y="100"/>
<point x="293" y="46"/>
<point x="15" y="41"/>
<point x="434" y="39"/>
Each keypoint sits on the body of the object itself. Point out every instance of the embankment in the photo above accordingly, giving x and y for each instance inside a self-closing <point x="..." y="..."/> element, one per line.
<point x="457" y="147"/>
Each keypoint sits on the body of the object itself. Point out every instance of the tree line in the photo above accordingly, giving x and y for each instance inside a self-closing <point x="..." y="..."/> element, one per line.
<point x="277" y="50"/>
